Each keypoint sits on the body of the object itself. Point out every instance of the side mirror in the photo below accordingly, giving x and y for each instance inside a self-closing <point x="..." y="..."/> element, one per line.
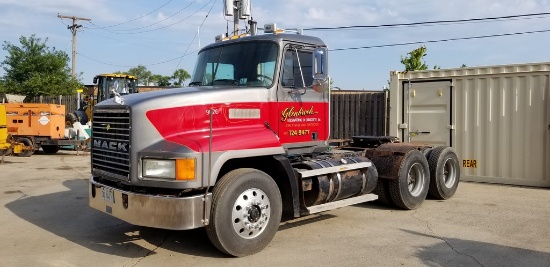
<point x="95" y="80"/>
<point x="320" y="69"/>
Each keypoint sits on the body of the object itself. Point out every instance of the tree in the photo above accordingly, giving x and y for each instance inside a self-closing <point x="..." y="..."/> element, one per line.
<point x="463" y="66"/>
<point x="414" y="59"/>
<point x="2" y="87"/>
<point x="179" y="76"/>
<point x="160" y="80"/>
<point x="141" y="73"/>
<point x="35" y="69"/>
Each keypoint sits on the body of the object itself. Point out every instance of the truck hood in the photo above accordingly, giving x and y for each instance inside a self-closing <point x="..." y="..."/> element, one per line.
<point x="187" y="96"/>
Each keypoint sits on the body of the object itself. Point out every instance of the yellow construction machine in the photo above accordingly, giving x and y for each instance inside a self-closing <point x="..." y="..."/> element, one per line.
<point x="8" y="144"/>
<point x="108" y="85"/>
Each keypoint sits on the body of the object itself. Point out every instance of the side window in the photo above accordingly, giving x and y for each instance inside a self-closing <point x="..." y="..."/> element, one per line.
<point x="292" y="77"/>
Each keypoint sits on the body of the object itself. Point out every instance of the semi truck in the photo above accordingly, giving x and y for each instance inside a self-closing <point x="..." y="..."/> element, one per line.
<point x="246" y="146"/>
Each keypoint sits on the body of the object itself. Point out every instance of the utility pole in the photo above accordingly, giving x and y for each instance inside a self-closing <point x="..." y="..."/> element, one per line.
<point x="74" y="27"/>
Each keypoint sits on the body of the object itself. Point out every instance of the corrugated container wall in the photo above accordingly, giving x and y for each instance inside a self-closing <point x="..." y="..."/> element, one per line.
<point x="497" y="118"/>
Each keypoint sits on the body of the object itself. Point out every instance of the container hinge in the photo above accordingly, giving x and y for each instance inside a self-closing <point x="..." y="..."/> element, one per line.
<point x="403" y="126"/>
<point x="451" y="127"/>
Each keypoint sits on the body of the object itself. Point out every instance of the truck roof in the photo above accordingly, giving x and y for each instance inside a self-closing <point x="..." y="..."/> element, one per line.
<point x="279" y="38"/>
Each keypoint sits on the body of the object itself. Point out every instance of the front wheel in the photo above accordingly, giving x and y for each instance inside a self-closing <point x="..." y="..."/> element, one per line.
<point x="29" y="147"/>
<point x="246" y="212"/>
<point x="50" y="149"/>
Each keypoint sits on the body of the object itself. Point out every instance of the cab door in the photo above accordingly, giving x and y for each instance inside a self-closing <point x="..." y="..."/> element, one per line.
<point x="302" y="112"/>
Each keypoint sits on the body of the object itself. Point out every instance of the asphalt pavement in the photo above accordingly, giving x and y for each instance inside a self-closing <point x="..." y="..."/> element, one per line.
<point x="45" y="221"/>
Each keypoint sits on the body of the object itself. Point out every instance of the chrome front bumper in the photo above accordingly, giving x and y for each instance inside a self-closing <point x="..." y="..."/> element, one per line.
<point x="175" y="213"/>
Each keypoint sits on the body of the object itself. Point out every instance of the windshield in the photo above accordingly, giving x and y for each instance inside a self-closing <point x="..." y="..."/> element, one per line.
<point x="241" y="64"/>
<point x="108" y="85"/>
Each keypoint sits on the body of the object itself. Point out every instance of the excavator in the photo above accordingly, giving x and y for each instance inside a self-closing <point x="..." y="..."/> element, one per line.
<point x="107" y="86"/>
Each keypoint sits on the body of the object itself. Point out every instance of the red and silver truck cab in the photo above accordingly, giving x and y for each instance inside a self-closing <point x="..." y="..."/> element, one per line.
<point x="244" y="146"/>
<point x="248" y="99"/>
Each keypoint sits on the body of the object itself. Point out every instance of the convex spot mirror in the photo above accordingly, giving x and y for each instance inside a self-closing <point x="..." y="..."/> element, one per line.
<point x="320" y="70"/>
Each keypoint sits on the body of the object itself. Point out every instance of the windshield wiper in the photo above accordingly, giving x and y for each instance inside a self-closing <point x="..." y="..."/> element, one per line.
<point x="224" y="82"/>
<point x="195" y="83"/>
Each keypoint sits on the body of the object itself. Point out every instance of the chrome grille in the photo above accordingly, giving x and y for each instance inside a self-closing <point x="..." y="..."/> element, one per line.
<point x="111" y="143"/>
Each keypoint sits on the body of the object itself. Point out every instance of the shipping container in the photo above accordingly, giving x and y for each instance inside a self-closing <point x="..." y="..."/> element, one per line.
<point x="496" y="117"/>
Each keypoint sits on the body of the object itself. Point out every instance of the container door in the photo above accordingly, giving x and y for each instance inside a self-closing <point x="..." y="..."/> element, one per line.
<point x="427" y="113"/>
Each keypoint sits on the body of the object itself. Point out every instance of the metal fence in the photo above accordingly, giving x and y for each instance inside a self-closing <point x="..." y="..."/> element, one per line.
<point x="358" y="113"/>
<point x="68" y="100"/>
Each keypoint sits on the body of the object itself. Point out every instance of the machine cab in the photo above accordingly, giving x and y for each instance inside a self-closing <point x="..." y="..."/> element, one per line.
<point x="110" y="84"/>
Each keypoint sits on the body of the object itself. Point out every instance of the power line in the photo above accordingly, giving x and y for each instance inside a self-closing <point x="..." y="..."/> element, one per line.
<point x="425" y="23"/>
<point x="195" y="36"/>
<point x="126" y="42"/>
<point x="179" y="21"/>
<point x="140" y="17"/>
<point x="442" y="40"/>
<point x="131" y="66"/>
<point x="126" y="31"/>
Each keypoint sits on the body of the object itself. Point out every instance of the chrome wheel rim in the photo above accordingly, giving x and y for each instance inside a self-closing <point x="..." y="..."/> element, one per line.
<point x="449" y="173"/>
<point x="250" y="214"/>
<point x="415" y="179"/>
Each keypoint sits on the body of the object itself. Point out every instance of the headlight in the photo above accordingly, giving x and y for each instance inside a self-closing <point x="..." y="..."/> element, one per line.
<point x="159" y="168"/>
<point x="175" y="169"/>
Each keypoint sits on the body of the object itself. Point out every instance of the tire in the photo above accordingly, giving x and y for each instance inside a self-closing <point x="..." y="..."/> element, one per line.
<point x="383" y="193"/>
<point x="410" y="188"/>
<point x="444" y="172"/>
<point x="27" y="142"/>
<point x="246" y="212"/>
<point x="70" y="119"/>
<point x="426" y="151"/>
<point x="50" y="149"/>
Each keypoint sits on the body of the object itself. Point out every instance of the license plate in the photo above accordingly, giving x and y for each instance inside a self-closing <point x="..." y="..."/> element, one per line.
<point x="108" y="194"/>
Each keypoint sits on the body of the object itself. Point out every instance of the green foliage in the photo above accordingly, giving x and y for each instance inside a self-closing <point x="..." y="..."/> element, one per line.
<point x="463" y="66"/>
<point x="436" y="67"/>
<point x="2" y="87"/>
<point x="160" y="80"/>
<point x="180" y="76"/>
<point x="141" y="72"/>
<point x="145" y="76"/>
<point x="414" y="59"/>
<point x="34" y="69"/>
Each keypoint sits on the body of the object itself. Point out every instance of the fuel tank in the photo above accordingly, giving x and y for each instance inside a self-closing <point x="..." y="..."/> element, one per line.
<point x="337" y="185"/>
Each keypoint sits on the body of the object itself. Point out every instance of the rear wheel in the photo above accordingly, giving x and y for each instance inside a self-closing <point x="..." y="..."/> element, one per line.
<point x="50" y="149"/>
<point x="444" y="172"/>
<point x="409" y="190"/>
<point x="246" y="212"/>
<point x="28" y="143"/>
<point x="383" y="192"/>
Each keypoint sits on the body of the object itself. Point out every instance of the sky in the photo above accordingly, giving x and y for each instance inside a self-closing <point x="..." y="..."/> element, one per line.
<point x="164" y="35"/>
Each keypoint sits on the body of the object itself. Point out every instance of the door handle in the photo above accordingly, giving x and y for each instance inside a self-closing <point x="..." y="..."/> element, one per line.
<point x="418" y="133"/>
